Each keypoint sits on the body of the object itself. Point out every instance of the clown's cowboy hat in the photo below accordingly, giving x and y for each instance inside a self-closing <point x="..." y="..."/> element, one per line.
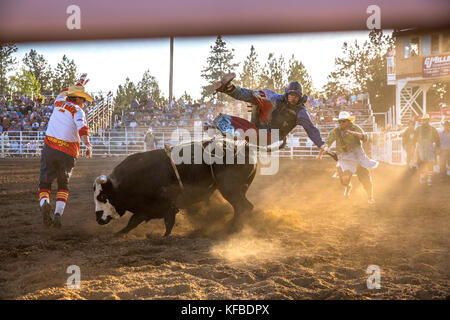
<point x="78" y="89"/>
<point x="345" y="115"/>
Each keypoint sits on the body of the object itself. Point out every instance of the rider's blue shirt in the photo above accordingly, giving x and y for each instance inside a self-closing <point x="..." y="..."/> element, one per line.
<point x="279" y="102"/>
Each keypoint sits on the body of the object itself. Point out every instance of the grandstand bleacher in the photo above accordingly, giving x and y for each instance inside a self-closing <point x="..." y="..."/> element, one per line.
<point x="108" y="139"/>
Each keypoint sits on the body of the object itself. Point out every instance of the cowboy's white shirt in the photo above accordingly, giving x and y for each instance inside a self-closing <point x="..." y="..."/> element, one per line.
<point x="67" y="123"/>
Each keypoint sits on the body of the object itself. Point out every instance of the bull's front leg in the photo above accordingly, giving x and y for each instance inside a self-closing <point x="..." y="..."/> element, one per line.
<point x="248" y="205"/>
<point x="237" y="223"/>
<point x="169" y="220"/>
<point x="134" y="221"/>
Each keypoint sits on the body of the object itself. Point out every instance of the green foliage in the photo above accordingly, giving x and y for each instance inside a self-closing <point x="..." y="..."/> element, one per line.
<point x="7" y="62"/>
<point x="39" y="67"/>
<point x="298" y="72"/>
<point x="64" y="75"/>
<point x="186" y="98"/>
<point x="148" y="88"/>
<point x="362" y="68"/>
<point x="250" y="71"/>
<point x="124" y="94"/>
<point x="438" y="92"/>
<point x="25" y="82"/>
<point x="274" y="74"/>
<point x="219" y="62"/>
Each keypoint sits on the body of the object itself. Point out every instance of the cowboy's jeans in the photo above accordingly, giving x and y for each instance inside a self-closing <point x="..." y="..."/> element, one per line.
<point x="444" y="159"/>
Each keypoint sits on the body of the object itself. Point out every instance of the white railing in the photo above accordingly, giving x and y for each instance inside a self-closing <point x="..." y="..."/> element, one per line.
<point x="100" y="115"/>
<point x="387" y="147"/>
<point x="21" y="143"/>
<point x="123" y="143"/>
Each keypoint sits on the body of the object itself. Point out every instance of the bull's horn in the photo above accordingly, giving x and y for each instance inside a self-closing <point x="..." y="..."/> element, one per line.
<point x="102" y="179"/>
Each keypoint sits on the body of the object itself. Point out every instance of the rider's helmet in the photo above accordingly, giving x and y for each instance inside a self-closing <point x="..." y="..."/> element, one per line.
<point x="294" y="88"/>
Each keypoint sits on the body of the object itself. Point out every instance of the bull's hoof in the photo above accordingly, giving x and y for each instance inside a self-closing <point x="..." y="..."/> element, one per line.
<point x="235" y="227"/>
<point x="119" y="234"/>
<point x="249" y="206"/>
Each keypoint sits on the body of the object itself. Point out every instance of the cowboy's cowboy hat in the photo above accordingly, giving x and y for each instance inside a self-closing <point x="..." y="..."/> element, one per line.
<point x="78" y="91"/>
<point x="345" y="115"/>
<point x="425" y="116"/>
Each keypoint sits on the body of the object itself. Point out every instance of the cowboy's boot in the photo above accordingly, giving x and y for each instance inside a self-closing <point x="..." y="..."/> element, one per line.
<point x="46" y="210"/>
<point x="225" y="85"/>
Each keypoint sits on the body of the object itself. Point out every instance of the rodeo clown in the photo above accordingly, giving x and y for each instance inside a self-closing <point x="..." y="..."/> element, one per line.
<point x="66" y="126"/>
<point x="270" y="110"/>
<point x="427" y="144"/>
<point x="351" y="156"/>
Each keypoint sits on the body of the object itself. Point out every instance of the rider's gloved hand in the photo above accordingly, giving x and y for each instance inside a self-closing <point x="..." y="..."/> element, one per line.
<point x="324" y="148"/>
<point x="225" y="85"/>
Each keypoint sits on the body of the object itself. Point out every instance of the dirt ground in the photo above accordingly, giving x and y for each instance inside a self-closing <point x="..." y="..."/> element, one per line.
<point x="302" y="241"/>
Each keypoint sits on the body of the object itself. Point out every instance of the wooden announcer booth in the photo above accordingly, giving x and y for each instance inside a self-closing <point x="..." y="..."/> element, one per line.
<point x="420" y="59"/>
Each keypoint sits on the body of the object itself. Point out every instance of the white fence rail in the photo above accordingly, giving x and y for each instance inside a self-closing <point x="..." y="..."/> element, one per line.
<point x="385" y="147"/>
<point x="123" y="143"/>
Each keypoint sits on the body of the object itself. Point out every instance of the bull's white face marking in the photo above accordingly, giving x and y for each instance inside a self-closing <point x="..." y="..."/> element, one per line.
<point x="106" y="207"/>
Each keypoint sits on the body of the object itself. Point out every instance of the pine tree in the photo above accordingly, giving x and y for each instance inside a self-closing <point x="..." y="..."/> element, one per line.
<point x="439" y="92"/>
<point x="124" y="94"/>
<point x="39" y="67"/>
<point x="250" y="71"/>
<point x="7" y="62"/>
<point x="362" y="68"/>
<point x="274" y="74"/>
<point x="297" y="72"/>
<point x="148" y="88"/>
<point x="65" y="74"/>
<point x="219" y="62"/>
<point x="186" y="98"/>
<point x="25" y="82"/>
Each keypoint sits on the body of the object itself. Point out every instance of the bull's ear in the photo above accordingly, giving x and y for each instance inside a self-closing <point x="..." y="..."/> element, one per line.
<point x="102" y="179"/>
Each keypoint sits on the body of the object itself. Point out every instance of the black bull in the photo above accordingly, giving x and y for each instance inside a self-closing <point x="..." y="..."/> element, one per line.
<point x="146" y="185"/>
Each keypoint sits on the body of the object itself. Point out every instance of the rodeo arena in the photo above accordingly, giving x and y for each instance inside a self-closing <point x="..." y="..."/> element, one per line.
<point x="319" y="216"/>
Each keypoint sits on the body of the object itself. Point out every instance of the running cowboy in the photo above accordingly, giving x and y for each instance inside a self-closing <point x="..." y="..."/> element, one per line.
<point x="351" y="156"/>
<point x="67" y="125"/>
<point x="271" y="110"/>
<point x="427" y="142"/>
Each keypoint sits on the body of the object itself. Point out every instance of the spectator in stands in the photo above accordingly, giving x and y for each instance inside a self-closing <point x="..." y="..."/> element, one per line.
<point x="6" y="123"/>
<point x="426" y="138"/>
<point x="408" y="143"/>
<point x="133" y="124"/>
<point x="35" y="125"/>
<point x="150" y="141"/>
<point x="444" y="156"/>
<point x="14" y="146"/>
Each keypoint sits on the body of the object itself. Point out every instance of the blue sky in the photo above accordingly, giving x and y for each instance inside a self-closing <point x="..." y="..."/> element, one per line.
<point x="108" y="63"/>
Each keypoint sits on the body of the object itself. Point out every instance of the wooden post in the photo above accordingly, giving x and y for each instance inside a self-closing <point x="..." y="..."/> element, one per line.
<point x="171" y="71"/>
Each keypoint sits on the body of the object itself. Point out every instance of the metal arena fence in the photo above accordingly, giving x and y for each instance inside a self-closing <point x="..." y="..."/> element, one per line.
<point x="382" y="146"/>
<point x="125" y="142"/>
